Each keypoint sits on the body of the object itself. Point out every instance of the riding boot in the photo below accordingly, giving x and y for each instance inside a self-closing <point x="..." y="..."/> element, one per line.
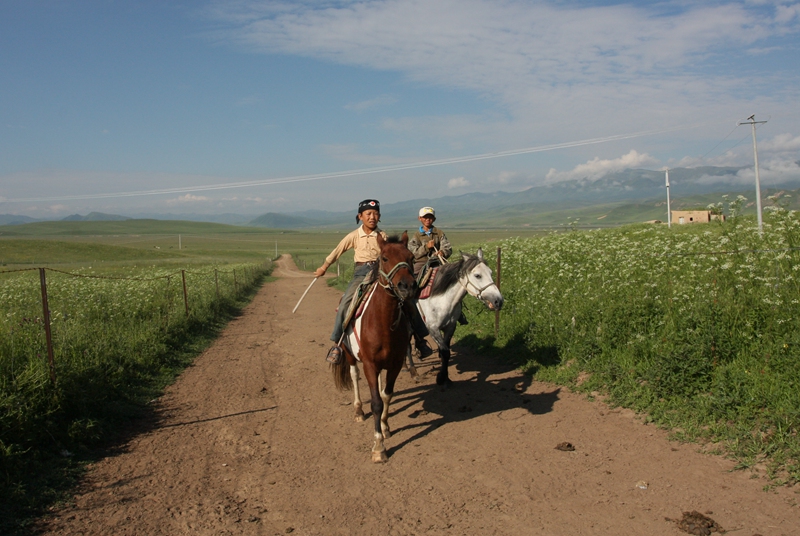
<point x="463" y="319"/>
<point x="419" y="328"/>
<point x="422" y="346"/>
<point x="415" y="318"/>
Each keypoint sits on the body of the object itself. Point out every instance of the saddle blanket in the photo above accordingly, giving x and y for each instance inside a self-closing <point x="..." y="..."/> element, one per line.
<point x="426" y="290"/>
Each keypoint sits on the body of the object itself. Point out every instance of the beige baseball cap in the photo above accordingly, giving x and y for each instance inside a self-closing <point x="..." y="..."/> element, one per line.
<point x="427" y="210"/>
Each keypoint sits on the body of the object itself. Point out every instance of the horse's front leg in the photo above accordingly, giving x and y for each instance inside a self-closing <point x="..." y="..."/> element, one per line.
<point x="376" y="402"/>
<point x="359" y="416"/>
<point x="386" y="396"/>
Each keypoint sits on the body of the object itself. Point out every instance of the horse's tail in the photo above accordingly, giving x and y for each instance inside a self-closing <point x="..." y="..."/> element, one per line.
<point x="341" y="375"/>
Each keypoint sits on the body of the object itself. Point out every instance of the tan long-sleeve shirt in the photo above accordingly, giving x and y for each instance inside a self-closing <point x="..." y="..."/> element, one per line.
<point x="365" y="246"/>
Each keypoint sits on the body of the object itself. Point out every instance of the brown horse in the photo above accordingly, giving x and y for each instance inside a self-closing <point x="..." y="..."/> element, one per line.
<point x="379" y="338"/>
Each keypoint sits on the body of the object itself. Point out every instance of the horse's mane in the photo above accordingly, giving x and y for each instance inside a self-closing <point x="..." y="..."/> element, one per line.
<point x="448" y="274"/>
<point x="394" y="239"/>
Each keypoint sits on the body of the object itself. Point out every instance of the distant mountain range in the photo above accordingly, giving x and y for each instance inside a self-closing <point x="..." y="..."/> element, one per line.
<point x="13" y="219"/>
<point x="95" y="216"/>
<point x="627" y="196"/>
<point x="229" y="218"/>
<point x="623" y="197"/>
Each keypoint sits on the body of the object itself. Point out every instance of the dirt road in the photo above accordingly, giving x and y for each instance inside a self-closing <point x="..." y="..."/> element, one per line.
<point x="254" y="439"/>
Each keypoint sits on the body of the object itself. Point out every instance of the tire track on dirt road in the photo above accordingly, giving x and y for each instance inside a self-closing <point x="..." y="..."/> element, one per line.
<point x="254" y="439"/>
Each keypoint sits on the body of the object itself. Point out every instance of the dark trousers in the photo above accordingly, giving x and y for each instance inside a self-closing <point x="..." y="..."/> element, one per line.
<point x="359" y="275"/>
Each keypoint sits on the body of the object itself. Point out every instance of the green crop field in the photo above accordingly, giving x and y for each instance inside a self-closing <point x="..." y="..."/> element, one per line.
<point x="697" y="327"/>
<point x="121" y="327"/>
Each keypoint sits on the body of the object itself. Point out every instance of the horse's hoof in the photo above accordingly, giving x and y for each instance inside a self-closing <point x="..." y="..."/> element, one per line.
<point x="387" y="434"/>
<point x="443" y="380"/>
<point x="360" y="417"/>
<point x="379" y="457"/>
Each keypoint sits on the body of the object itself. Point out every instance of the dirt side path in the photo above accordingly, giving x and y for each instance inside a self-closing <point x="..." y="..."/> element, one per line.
<point x="254" y="439"/>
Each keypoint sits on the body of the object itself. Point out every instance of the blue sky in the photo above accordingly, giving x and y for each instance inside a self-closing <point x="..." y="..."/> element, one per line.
<point x="256" y="106"/>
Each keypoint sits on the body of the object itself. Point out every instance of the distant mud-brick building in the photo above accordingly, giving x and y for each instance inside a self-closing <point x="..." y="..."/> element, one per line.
<point x="695" y="216"/>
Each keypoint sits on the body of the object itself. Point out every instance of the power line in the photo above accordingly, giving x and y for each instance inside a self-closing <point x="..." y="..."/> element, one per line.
<point x="351" y="173"/>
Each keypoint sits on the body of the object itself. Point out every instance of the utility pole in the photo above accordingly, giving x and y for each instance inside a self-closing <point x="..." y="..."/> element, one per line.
<point x="752" y="121"/>
<point x="669" y="210"/>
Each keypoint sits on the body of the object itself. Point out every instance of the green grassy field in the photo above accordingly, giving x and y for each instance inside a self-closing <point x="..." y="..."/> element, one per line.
<point x="183" y="243"/>
<point x="695" y="327"/>
<point x="120" y="332"/>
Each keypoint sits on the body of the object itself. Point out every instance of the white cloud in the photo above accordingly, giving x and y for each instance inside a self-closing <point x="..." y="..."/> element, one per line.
<point x="780" y="144"/>
<point x="188" y="198"/>
<point x="537" y="59"/>
<point x="597" y="168"/>
<point x="458" y="182"/>
<point x="377" y="102"/>
<point x="504" y="177"/>
<point x="787" y="14"/>
<point x="771" y="172"/>
<point x="778" y="148"/>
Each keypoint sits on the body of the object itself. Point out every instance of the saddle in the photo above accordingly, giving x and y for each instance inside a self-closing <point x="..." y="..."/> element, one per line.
<point x="425" y="282"/>
<point x="359" y="301"/>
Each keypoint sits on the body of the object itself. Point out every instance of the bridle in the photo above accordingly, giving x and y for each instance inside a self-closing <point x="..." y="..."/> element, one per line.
<point x="478" y="290"/>
<point x="390" y="287"/>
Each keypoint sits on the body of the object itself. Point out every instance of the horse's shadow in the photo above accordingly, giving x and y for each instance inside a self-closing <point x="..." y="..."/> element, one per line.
<point x="489" y="389"/>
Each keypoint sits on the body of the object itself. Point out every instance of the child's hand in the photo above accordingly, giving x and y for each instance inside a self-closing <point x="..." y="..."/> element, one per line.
<point x="431" y="244"/>
<point x="319" y="272"/>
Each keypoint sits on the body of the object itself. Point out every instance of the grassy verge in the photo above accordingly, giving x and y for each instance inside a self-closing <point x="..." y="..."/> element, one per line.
<point x="696" y="327"/>
<point x="117" y="343"/>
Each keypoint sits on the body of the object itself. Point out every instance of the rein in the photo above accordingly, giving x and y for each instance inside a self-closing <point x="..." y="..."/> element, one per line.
<point x="391" y="289"/>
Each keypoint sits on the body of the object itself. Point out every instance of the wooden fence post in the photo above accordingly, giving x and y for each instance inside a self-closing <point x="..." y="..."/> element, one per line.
<point x="497" y="313"/>
<point x="216" y="282"/>
<point x="47" y="333"/>
<point x="169" y="302"/>
<point x="185" y="295"/>
<point x="235" y="284"/>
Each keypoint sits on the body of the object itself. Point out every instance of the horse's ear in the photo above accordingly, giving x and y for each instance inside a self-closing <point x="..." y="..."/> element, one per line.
<point x="404" y="238"/>
<point x="380" y="240"/>
<point x="463" y="255"/>
<point x="480" y="254"/>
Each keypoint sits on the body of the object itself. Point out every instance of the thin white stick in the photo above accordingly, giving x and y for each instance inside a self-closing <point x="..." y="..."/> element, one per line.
<point x="304" y="294"/>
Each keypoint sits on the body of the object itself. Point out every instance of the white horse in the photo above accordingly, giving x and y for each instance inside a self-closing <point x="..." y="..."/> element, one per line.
<point x="442" y="309"/>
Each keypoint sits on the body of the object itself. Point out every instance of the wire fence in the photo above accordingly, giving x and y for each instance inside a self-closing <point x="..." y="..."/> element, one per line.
<point x="59" y="311"/>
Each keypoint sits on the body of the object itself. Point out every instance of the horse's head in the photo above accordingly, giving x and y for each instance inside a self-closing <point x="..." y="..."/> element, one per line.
<point x="477" y="279"/>
<point x="395" y="265"/>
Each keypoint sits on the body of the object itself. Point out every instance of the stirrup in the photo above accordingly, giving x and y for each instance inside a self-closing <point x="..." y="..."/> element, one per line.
<point x="334" y="356"/>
